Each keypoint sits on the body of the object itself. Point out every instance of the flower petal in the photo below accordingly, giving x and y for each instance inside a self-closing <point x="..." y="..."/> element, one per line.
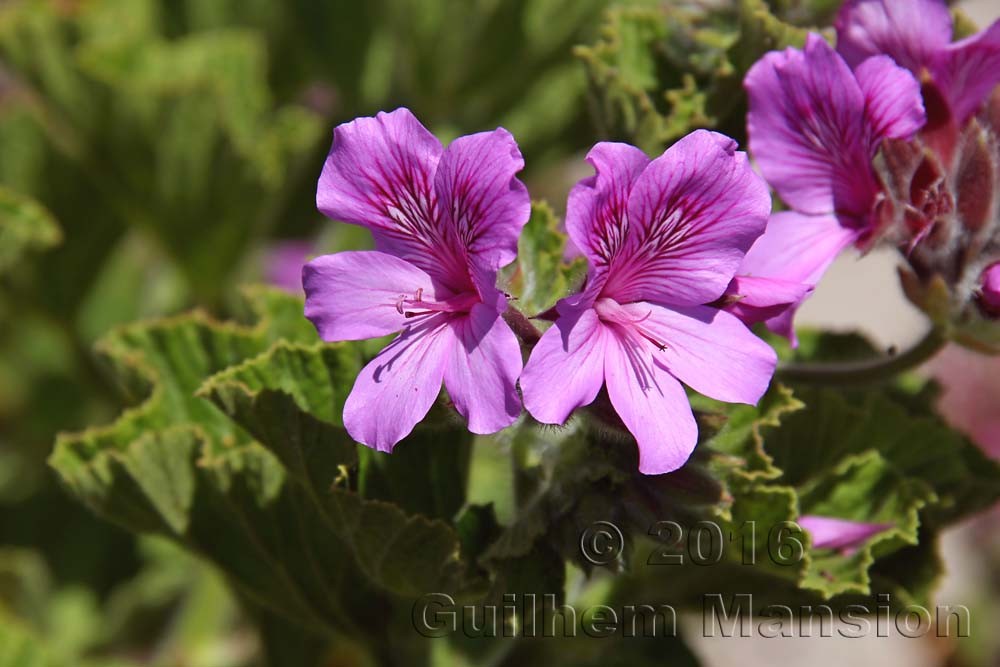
<point x="652" y="405"/>
<point x="397" y="388"/>
<point x="709" y="350"/>
<point x="990" y="291"/>
<point x="831" y="533"/>
<point x="380" y="175"/>
<point x="481" y="375"/>
<point x="597" y="209"/>
<point x="968" y="70"/>
<point x="808" y="130"/>
<point x="566" y="368"/>
<point x="754" y="299"/>
<point x="355" y="295"/>
<point x="693" y="213"/>
<point x="893" y="103"/>
<point x="797" y="248"/>
<point x="480" y="196"/>
<point x="910" y="31"/>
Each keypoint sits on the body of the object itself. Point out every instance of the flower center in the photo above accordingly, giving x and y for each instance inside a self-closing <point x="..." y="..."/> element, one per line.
<point x="416" y="306"/>
<point x="630" y="324"/>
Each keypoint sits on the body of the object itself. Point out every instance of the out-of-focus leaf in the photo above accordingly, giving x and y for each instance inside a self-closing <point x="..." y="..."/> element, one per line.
<point x="25" y="227"/>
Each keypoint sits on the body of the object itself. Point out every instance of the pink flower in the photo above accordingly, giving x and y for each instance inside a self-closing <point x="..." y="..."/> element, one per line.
<point x="917" y="35"/>
<point x="444" y="221"/>
<point x="663" y="239"/>
<point x="839" y="534"/>
<point x="815" y="126"/>
<point x="970" y="396"/>
<point x="283" y="262"/>
<point x="989" y="292"/>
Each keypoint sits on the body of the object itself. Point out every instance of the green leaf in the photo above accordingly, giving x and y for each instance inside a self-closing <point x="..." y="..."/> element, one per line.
<point x="542" y="277"/>
<point x="25" y="227"/>
<point x="237" y="452"/>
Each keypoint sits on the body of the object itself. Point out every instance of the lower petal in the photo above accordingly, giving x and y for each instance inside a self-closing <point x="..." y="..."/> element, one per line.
<point x="652" y="405"/>
<point x="566" y="368"/>
<point x="797" y="247"/>
<point x="709" y="350"/>
<point x="397" y="388"/>
<point x="754" y="299"/>
<point x="353" y="295"/>
<point x="481" y="374"/>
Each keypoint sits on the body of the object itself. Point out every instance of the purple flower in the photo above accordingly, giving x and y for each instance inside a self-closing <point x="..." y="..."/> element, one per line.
<point x="839" y="534"/>
<point x="283" y="262"/>
<point x="815" y="127"/>
<point x="917" y="35"/>
<point x="444" y="221"/>
<point x="663" y="239"/>
<point x="990" y="290"/>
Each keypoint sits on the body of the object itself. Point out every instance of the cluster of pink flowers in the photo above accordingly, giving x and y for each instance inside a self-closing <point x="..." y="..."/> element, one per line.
<point x="683" y="250"/>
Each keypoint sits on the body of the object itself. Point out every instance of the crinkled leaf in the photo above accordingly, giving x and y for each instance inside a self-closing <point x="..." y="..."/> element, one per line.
<point x="25" y="227"/>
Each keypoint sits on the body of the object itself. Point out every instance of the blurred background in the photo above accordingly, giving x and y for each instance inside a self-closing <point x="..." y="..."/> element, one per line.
<point x="173" y="147"/>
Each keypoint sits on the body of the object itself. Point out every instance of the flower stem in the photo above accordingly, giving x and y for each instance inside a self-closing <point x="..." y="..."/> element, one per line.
<point x="522" y="326"/>
<point x="869" y="371"/>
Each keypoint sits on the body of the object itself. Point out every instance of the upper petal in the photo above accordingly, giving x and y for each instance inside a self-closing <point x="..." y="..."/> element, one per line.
<point x="597" y="209"/>
<point x="968" y="70"/>
<point x="480" y="196"/>
<point x="910" y="31"/>
<point x="481" y="374"/>
<point x="380" y="174"/>
<point x="693" y="213"/>
<point x="356" y="295"/>
<point x="893" y="103"/>
<point x="808" y="130"/>
<point x="709" y="350"/>
<point x="397" y="388"/>
<point x="652" y="405"/>
<point x="566" y="367"/>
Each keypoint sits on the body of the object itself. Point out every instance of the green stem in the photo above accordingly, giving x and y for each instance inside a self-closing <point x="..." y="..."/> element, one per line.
<point x="869" y="371"/>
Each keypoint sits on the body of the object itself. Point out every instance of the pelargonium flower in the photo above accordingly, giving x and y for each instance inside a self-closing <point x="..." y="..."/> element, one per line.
<point x="443" y="220"/>
<point x="839" y="534"/>
<point x="917" y="35"/>
<point x="815" y="127"/>
<point x="663" y="239"/>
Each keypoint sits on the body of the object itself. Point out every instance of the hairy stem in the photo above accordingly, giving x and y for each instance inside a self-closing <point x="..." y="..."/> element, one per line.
<point x="869" y="371"/>
<point x="522" y="326"/>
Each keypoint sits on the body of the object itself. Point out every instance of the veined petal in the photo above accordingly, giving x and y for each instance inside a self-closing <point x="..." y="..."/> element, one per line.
<point x="566" y="367"/>
<point x="968" y="70"/>
<point x="893" y="103"/>
<point x="808" y="130"/>
<point x="909" y="31"/>
<point x="652" y="405"/>
<point x="842" y="534"/>
<point x="357" y="295"/>
<point x="397" y="388"/>
<point x="380" y="174"/>
<point x="481" y="374"/>
<point x="480" y="196"/>
<point x="709" y="350"/>
<point x="693" y="213"/>
<point x="597" y="209"/>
